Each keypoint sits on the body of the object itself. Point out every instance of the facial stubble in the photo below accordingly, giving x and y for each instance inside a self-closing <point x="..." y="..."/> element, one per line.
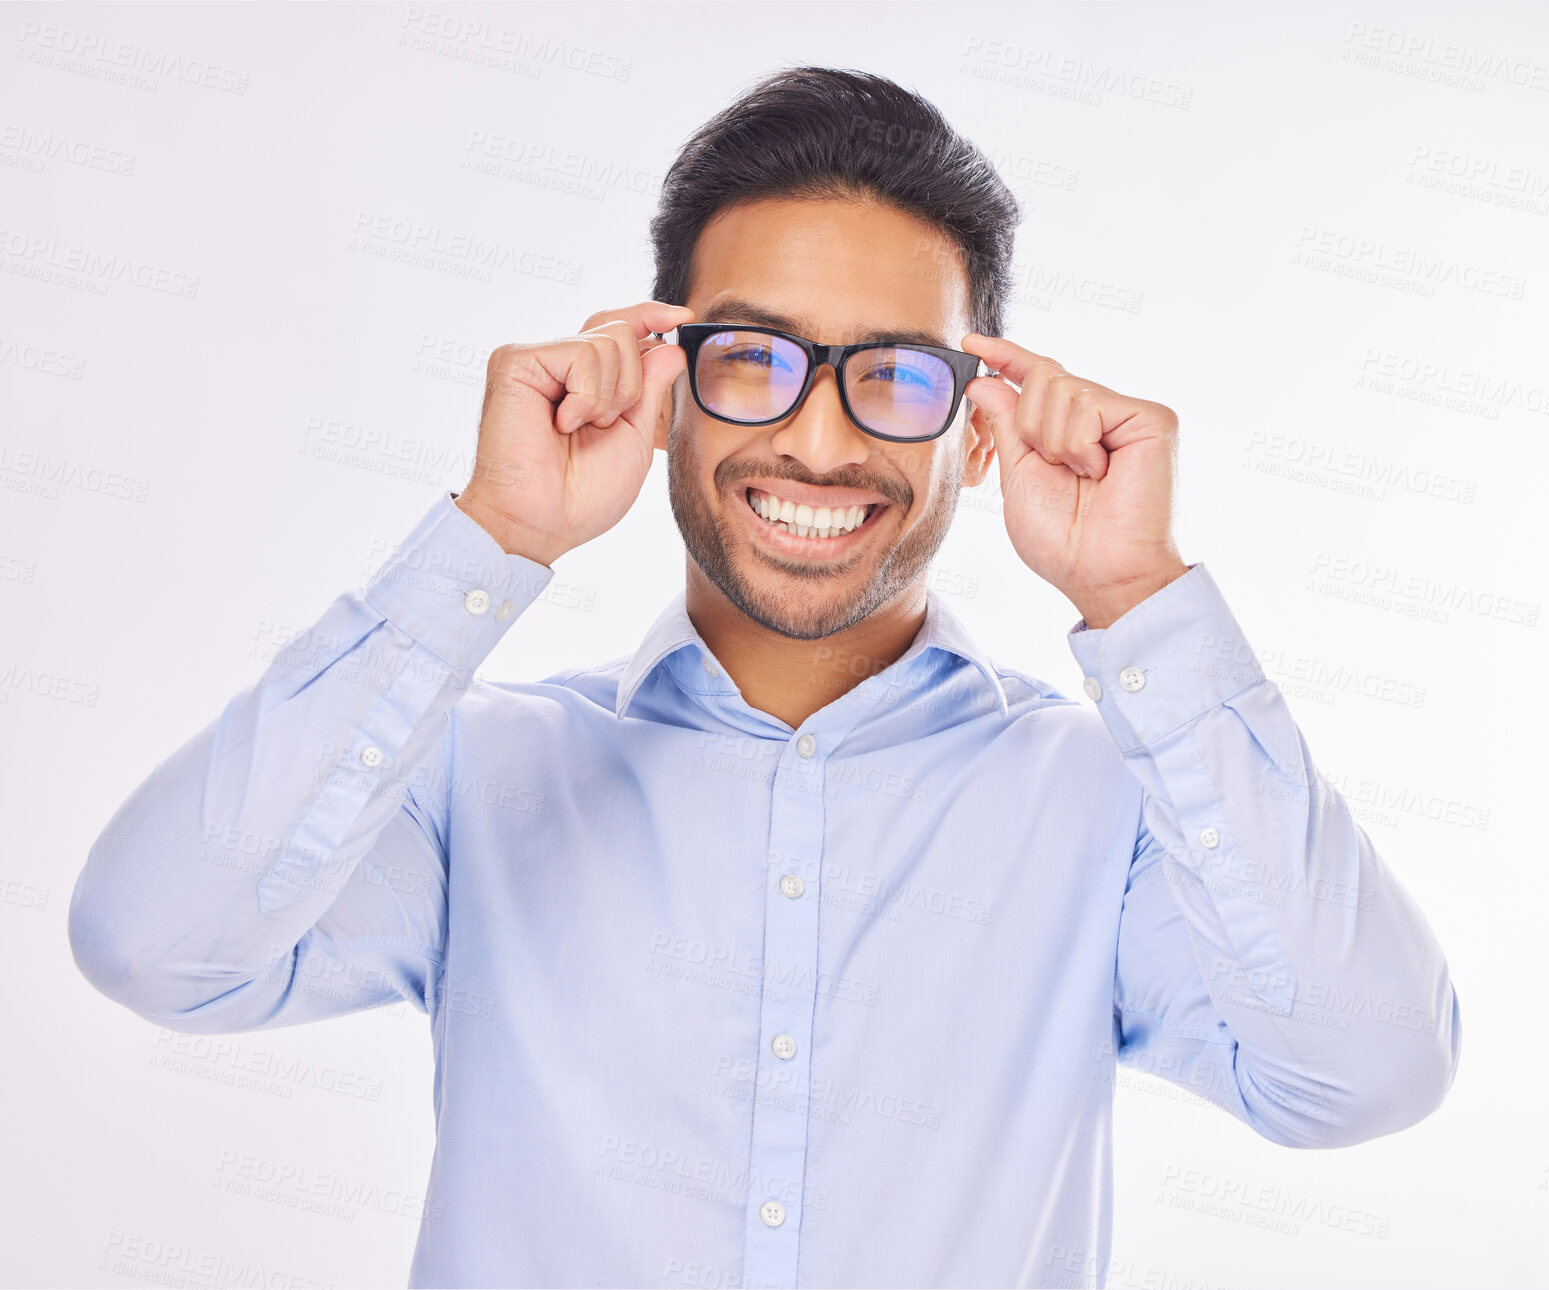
<point x="783" y="608"/>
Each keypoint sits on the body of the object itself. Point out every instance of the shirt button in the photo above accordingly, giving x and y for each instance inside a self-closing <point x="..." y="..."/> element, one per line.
<point x="1132" y="678"/>
<point x="1209" y="837"/>
<point x="784" y="1047"/>
<point x="505" y="611"/>
<point x="772" y="1212"/>
<point x="806" y="745"/>
<point x="791" y="886"/>
<point x="1094" y="691"/>
<point x="476" y="601"/>
<point x="371" y="755"/>
<point x="711" y="668"/>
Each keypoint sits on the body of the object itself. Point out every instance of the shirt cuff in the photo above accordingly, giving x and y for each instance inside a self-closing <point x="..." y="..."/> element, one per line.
<point x="1167" y="661"/>
<point x="454" y="589"/>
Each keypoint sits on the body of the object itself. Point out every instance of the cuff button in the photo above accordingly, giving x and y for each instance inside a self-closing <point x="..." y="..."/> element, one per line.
<point x="476" y="601"/>
<point x="1093" y="688"/>
<point x="1132" y="679"/>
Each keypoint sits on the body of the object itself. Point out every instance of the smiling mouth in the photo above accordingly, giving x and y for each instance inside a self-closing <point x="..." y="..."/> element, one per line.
<point x="825" y="523"/>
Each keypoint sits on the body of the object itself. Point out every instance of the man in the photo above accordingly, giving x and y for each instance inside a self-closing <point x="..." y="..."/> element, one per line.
<point x="799" y="946"/>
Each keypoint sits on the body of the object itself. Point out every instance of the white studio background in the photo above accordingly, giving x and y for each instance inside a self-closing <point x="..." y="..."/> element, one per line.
<point x="228" y="387"/>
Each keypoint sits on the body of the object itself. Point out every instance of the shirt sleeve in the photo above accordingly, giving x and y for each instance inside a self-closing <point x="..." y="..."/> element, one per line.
<point x="1268" y="959"/>
<point x="289" y="862"/>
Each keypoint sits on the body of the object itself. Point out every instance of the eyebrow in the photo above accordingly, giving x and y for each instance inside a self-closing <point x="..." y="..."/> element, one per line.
<point x="732" y="309"/>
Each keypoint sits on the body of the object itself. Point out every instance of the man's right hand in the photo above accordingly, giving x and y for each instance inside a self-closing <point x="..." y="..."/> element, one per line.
<point x="569" y="428"/>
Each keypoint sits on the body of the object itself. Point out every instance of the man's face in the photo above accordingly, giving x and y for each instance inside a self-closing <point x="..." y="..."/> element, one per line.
<point x="833" y="271"/>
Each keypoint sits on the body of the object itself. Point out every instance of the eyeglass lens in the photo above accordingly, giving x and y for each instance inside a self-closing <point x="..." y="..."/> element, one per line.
<point x="750" y="376"/>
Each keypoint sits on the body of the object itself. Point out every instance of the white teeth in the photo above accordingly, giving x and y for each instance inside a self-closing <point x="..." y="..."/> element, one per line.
<point x="808" y="521"/>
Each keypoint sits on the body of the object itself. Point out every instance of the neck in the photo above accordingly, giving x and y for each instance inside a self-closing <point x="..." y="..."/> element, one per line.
<point x="791" y="679"/>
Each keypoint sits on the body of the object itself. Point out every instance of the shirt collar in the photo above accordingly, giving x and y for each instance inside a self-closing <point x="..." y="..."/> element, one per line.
<point x="673" y="630"/>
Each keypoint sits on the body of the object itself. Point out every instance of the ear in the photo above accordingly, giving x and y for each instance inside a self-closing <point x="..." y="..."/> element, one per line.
<point x="669" y="413"/>
<point x="981" y="447"/>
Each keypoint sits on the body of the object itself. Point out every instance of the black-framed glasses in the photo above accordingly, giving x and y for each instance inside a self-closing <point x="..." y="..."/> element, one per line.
<point x="754" y="376"/>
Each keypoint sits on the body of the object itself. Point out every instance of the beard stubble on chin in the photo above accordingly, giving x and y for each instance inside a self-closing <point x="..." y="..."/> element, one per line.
<point x="761" y="585"/>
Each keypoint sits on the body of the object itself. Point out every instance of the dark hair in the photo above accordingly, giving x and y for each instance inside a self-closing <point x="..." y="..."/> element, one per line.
<point x="815" y="132"/>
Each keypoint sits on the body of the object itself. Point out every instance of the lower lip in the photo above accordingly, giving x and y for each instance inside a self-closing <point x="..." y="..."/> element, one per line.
<point x="782" y="539"/>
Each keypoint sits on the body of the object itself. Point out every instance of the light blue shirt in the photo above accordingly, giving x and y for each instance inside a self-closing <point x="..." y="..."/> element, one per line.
<point x="717" y="1002"/>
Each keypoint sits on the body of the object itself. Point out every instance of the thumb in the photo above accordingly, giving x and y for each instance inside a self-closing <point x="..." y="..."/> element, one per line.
<point x="651" y="416"/>
<point x="998" y="401"/>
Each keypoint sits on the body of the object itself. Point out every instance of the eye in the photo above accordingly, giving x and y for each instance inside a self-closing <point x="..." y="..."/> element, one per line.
<point x="897" y="373"/>
<point x="760" y="356"/>
<point x="754" y="355"/>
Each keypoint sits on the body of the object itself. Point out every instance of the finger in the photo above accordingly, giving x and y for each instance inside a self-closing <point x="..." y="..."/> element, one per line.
<point x="622" y="348"/>
<point x="998" y="401"/>
<point x="651" y="413"/>
<point x="1056" y="415"/>
<point x="581" y="372"/>
<point x="644" y="318"/>
<point x="1084" y="434"/>
<point x="1034" y="406"/>
<point x="1004" y="356"/>
<point x="608" y="360"/>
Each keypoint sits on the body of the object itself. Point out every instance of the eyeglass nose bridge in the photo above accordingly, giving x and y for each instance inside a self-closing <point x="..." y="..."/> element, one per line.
<point x="831" y="356"/>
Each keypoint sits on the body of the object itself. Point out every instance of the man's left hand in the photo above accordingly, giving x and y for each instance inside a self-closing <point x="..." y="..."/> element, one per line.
<point x="1086" y="475"/>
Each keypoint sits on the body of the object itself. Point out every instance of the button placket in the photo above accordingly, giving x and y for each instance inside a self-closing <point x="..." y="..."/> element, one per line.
<point x="781" y="1122"/>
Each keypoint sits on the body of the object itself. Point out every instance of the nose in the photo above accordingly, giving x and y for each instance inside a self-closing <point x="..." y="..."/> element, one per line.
<point x="818" y="433"/>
